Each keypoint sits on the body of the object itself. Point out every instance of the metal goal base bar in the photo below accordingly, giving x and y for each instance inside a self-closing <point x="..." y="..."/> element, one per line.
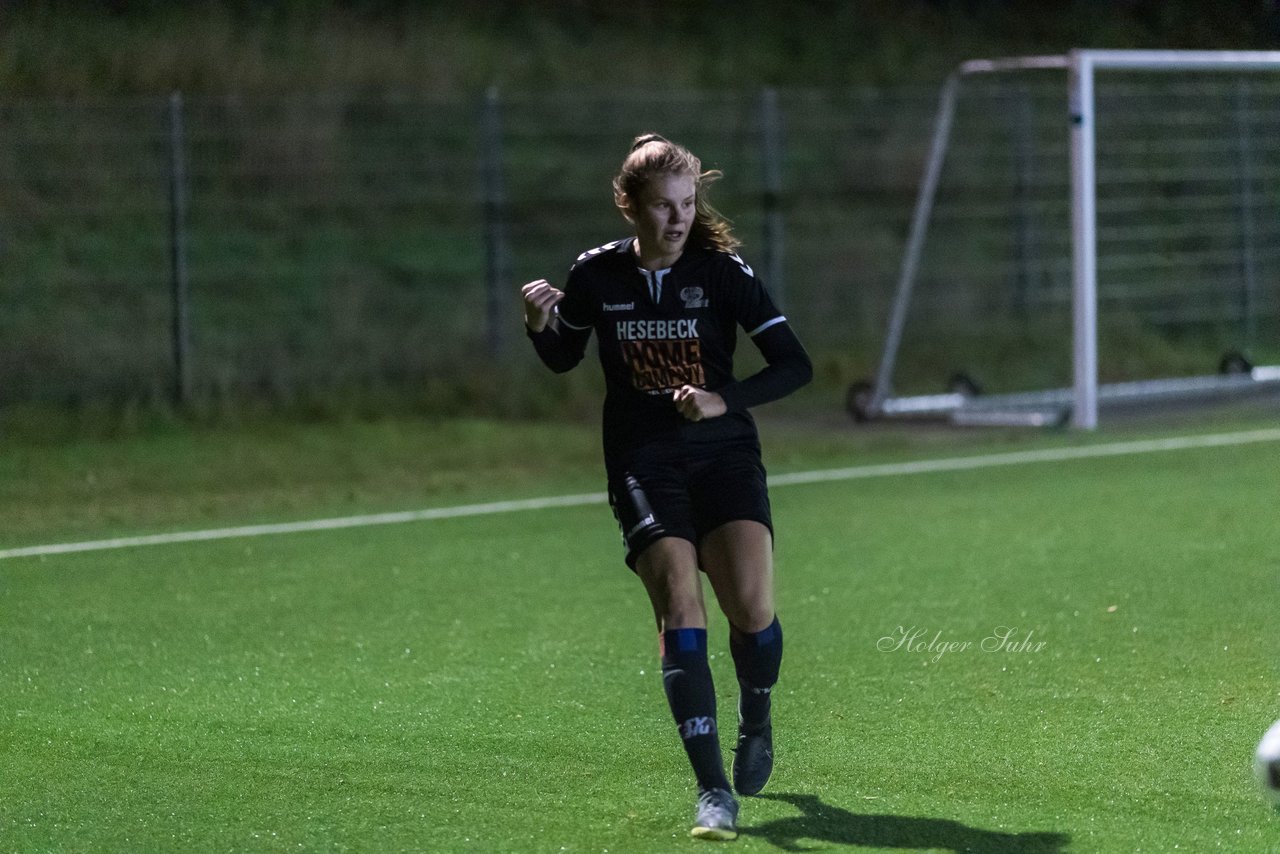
<point x="1052" y="407"/>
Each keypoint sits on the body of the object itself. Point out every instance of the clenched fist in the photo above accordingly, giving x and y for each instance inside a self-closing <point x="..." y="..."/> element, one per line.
<point x="696" y="403"/>
<point x="539" y="299"/>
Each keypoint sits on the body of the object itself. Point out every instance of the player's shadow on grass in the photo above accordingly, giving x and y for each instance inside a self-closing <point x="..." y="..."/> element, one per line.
<point x="824" y="823"/>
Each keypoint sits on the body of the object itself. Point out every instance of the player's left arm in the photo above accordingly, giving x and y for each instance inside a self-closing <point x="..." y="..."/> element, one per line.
<point x="787" y="364"/>
<point x="787" y="368"/>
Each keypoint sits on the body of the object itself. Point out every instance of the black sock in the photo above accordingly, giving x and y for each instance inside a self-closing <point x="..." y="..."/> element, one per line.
<point x="757" y="657"/>
<point x="686" y="676"/>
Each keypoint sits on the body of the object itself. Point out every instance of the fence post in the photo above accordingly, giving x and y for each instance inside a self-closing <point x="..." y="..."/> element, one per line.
<point x="181" y="331"/>
<point x="771" y="200"/>
<point x="497" y="253"/>
<point x="1246" y="172"/>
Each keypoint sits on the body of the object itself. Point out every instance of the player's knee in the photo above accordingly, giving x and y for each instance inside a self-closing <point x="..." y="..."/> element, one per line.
<point x="670" y="575"/>
<point x="685" y="612"/>
<point x="679" y="606"/>
<point x="752" y="617"/>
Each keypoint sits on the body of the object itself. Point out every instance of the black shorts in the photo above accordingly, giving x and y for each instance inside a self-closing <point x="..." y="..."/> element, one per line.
<point x="686" y="492"/>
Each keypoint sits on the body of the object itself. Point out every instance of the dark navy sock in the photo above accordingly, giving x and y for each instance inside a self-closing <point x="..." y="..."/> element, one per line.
<point x="757" y="656"/>
<point x="686" y="676"/>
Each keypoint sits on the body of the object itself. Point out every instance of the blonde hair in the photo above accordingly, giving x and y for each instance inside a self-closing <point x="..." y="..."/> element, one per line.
<point x="653" y="155"/>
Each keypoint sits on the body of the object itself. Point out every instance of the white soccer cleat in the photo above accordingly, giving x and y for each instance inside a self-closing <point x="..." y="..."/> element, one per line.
<point x="717" y="816"/>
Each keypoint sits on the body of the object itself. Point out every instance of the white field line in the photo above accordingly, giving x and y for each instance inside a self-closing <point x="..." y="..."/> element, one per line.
<point x="1114" y="449"/>
<point x="1049" y="455"/>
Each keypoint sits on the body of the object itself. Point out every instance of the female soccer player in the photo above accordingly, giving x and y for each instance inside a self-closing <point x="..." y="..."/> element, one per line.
<point x="681" y="451"/>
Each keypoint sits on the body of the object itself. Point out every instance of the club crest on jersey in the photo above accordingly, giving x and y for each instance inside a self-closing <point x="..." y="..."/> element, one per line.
<point x="693" y="298"/>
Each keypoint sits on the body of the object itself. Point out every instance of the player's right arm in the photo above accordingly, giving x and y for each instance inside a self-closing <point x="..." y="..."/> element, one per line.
<point x="560" y="345"/>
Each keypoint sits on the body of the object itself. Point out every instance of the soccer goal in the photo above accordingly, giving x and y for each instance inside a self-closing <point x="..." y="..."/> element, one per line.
<point x="1101" y="227"/>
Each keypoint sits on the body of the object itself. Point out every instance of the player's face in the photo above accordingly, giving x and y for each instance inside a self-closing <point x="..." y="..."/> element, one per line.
<point x="663" y="218"/>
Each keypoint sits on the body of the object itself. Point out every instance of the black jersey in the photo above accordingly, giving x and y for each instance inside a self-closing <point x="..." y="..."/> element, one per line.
<point x="658" y="332"/>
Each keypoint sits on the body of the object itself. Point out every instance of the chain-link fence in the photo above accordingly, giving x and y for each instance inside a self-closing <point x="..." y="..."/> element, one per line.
<point x="301" y="247"/>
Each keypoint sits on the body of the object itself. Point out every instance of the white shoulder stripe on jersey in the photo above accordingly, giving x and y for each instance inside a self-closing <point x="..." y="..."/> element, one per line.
<point x="599" y="250"/>
<point x="567" y="323"/>
<point x="762" y="327"/>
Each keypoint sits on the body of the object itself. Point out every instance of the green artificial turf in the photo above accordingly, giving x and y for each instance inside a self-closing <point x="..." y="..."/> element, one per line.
<point x="491" y="683"/>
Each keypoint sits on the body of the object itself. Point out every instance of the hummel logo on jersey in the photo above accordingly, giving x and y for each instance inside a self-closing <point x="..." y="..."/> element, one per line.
<point x="693" y="298"/>
<point x="697" y="726"/>
<point x="619" y="306"/>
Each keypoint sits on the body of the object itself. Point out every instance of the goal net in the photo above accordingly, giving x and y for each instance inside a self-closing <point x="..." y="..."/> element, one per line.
<point x="1097" y="227"/>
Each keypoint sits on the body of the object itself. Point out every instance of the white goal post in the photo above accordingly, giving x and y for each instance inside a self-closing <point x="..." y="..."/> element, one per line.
<point x="1080" y="401"/>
